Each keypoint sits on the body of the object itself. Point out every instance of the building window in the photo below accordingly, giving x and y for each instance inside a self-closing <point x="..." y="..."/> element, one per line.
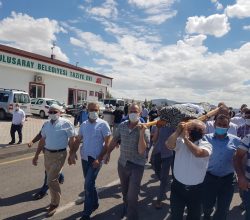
<point x="91" y="93"/>
<point x="36" y="90"/>
<point x="96" y="94"/>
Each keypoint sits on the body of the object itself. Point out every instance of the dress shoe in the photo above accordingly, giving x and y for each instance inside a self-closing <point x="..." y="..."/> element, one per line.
<point x="158" y="205"/>
<point x="19" y="142"/>
<point x="12" y="142"/>
<point x="52" y="209"/>
<point x="39" y="195"/>
<point x="85" y="217"/>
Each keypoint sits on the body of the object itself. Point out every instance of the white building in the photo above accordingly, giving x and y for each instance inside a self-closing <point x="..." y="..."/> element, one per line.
<point x="47" y="77"/>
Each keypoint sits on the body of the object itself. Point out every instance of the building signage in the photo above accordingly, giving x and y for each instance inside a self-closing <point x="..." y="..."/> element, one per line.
<point x="42" y="67"/>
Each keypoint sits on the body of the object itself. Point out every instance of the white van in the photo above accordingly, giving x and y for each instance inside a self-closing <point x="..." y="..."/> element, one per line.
<point x="8" y="99"/>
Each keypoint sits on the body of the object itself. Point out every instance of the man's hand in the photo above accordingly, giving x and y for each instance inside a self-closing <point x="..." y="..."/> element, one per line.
<point x="72" y="158"/>
<point x="30" y="144"/>
<point x="106" y="158"/>
<point x="185" y="133"/>
<point x="34" y="160"/>
<point x="243" y="183"/>
<point x="142" y="128"/>
<point x="96" y="163"/>
<point x="180" y="128"/>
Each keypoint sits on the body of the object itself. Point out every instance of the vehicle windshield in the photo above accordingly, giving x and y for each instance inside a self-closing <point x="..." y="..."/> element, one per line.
<point x="21" y="98"/>
<point x="50" y="102"/>
<point x="110" y="101"/>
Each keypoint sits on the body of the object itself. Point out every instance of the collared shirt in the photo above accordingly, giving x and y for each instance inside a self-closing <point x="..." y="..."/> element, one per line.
<point x="129" y="144"/>
<point x="210" y="128"/>
<point x="245" y="145"/>
<point x="144" y="113"/>
<point x="18" y="117"/>
<point x="243" y="130"/>
<point x="57" y="134"/>
<point x="93" y="135"/>
<point x="189" y="169"/>
<point x="221" y="160"/>
<point x="160" y="147"/>
<point x="238" y="120"/>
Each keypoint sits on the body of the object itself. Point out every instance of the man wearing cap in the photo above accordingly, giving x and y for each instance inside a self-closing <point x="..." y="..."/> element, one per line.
<point x="17" y="124"/>
<point x="57" y="134"/>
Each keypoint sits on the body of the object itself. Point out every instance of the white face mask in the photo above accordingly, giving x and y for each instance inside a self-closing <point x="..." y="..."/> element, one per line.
<point x="17" y="108"/>
<point x="247" y="121"/>
<point x="133" y="117"/>
<point x="93" y="115"/>
<point x="54" y="117"/>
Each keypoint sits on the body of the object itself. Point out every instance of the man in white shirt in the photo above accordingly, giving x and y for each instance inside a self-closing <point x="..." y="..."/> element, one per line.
<point x="18" y="120"/>
<point x="190" y="165"/>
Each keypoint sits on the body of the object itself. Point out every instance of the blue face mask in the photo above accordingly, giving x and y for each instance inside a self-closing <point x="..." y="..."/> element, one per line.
<point x="221" y="131"/>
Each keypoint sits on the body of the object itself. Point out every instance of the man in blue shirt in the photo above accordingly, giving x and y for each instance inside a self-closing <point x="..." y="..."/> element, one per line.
<point x="57" y="134"/>
<point x="219" y="181"/>
<point x="163" y="159"/>
<point x="95" y="134"/>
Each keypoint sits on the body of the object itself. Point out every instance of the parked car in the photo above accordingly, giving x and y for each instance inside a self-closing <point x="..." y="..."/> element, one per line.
<point x="8" y="98"/>
<point x="40" y="106"/>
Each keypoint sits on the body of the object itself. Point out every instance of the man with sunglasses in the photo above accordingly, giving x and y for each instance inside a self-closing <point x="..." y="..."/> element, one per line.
<point x="57" y="134"/>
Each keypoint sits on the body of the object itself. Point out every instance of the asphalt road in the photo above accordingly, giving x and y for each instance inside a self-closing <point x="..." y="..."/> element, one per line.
<point x="19" y="180"/>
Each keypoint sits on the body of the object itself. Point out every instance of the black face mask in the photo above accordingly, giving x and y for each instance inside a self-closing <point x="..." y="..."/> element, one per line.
<point x="195" y="135"/>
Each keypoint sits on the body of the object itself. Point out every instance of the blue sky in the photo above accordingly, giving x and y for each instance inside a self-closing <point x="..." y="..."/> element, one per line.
<point x="183" y="50"/>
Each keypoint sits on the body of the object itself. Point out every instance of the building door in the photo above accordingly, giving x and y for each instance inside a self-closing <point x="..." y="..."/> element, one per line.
<point x="36" y="90"/>
<point x="81" y="96"/>
<point x="76" y="96"/>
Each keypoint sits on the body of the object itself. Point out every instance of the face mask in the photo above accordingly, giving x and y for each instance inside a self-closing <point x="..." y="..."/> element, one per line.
<point x="54" y="117"/>
<point x="243" y="115"/>
<point x="93" y="115"/>
<point x="17" y="108"/>
<point x="195" y="135"/>
<point x="133" y="117"/>
<point x="221" y="131"/>
<point x="247" y="121"/>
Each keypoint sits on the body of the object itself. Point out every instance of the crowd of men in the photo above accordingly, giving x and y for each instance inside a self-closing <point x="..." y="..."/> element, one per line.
<point x="205" y="159"/>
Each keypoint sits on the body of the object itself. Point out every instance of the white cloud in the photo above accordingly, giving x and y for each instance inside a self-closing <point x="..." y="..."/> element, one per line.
<point x="217" y="4"/>
<point x="151" y="3"/>
<point x="1" y="4"/>
<point x="107" y="10"/>
<point x="247" y="27"/>
<point x="184" y="71"/>
<point x="158" y="11"/>
<point x="159" y="19"/>
<point x="216" y="25"/>
<point x="240" y="10"/>
<point x="34" y="35"/>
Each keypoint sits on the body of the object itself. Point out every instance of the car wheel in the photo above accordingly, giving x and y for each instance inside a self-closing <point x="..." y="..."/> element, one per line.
<point x="2" y="114"/>
<point x="42" y="114"/>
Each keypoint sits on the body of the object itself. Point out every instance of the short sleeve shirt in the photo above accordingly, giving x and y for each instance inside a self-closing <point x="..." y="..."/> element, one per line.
<point x="57" y="134"/>
<point x="129" y="144"/>
<point x="93" y="137"/>
<point x="221" y="160"/>
<point x="189" y="169"/>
